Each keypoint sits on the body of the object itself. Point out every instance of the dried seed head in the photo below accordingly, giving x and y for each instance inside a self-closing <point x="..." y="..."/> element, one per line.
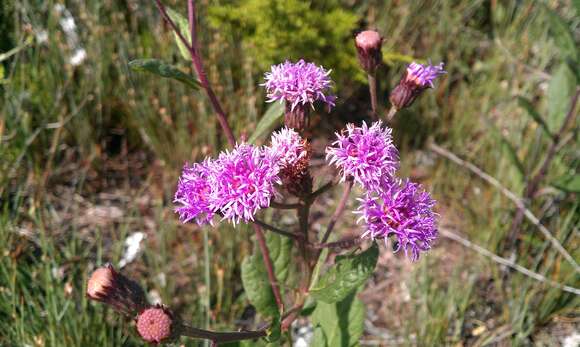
<point x="368" y="45"/>
<point x="101" y="282"/>
<point x="155" y="324"/>
<point x="110" y="287"/>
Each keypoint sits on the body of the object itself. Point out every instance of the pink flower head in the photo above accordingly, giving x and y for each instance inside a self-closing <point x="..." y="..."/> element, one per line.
<point x="366" y="154"/>
<point x="299" y="83"/>
<point x="401" y="209"/>
<point x="155" y="324"/>
<point x="193" y="193"/>
<point x="243" y="181"/>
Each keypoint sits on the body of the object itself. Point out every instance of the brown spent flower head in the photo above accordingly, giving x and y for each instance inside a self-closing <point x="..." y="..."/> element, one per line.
<point x="155" y="324"/>
<point x="368" y="45"/>
<point x="112" y="288"/>
<point x="296" y="178"/>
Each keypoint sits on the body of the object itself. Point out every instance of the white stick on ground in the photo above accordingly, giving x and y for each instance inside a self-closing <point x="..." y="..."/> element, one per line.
<point x="510" y="195"/>
<point x="496" y="258"/>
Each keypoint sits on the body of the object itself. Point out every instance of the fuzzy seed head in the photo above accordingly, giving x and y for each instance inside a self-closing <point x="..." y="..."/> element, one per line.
<point x="154" y="324"/>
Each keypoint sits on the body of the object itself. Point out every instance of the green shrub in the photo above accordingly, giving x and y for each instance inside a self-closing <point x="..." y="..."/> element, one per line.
<point x="276" y="30"/>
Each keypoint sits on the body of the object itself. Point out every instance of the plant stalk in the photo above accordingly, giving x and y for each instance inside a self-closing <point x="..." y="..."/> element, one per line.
<point x="372" y="78"/>
<point x="339" y="209"/>
<point x="198" y="67"/>
<point x="269" y="267"/>
<point x="220" y="337"/>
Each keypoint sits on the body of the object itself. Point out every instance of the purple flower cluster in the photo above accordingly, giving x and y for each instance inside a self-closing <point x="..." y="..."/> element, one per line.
<point x="402" y="209"/>
<point x="390" y="207"/>
<point x="365" y="153"/>
<point x="243" y="181"/>
<point x="235" y="185"/>
<point x="423" y="76"/>
<point x="299" y="83"/>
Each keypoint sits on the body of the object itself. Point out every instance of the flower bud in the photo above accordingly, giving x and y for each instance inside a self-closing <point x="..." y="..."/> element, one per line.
<point x="416" y="79"/>
<point x="156" y="325"/>
<point x="110" y="287"/>
<point x="368" y="45"/>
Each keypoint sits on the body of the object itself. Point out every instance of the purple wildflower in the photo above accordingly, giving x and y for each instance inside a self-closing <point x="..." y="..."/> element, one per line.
<point x="242" y="181"/>
<point x="424" y="76"/>
<point x="288" y="146"/>
<point x="366" y="154"/>
<point x="299" y="83"/>
<point x="193" y="191"/>
<point x="402" y="209"/>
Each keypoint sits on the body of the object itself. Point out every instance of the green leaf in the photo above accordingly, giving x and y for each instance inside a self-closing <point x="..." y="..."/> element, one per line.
<point x="349" y="273"/>
<point x="340" y="324"/>
<point x="183" y="26"/>
<point x="163" y="69"/>
<point x="527" y="105"/>
<point x="560" y="92"/>
<point x="269" y="119"/>
<point x="562" y="35"/>
<point x="280" y="248"/>
<point x="257" y="286"/>
<point x="255" y="277"/>
<point x="569" y="183"/>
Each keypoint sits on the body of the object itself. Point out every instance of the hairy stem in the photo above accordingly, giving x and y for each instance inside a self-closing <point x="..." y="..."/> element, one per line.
<point x="372" y="78"/>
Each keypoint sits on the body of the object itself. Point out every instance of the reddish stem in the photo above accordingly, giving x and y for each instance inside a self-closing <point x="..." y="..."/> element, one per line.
<point x="269" y="267"/>
<point x="198" y="66"/>
<point x="339" y="209"/>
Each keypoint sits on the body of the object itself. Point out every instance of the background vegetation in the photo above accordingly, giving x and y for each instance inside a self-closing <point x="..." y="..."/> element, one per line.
<point x="90" y="153"/>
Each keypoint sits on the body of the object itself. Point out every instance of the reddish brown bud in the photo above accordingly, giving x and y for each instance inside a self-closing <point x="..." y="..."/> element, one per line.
<point x="296" y="178"/>
<point x="110" y="287"/>
<point x="297" y="118"/>
<point x="156" y="325"/>
<point x="368" y="45"/>
<point x="404" y="94"/>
